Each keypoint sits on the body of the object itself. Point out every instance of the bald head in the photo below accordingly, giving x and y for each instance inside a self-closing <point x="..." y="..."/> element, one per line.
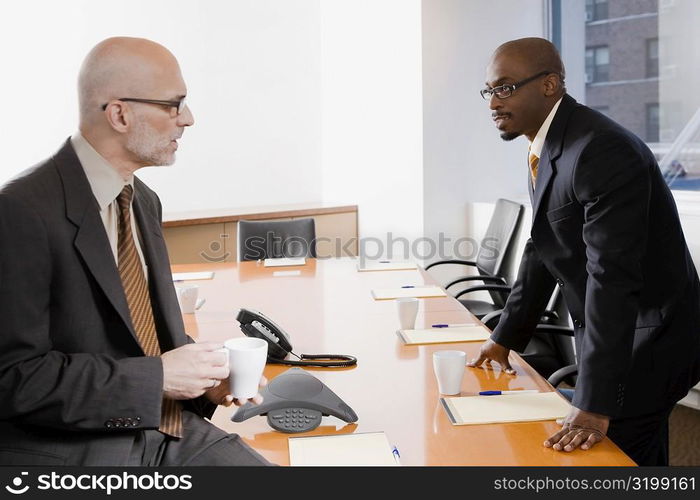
<point x="534" y="54"/>
<point x="122" y="67"/>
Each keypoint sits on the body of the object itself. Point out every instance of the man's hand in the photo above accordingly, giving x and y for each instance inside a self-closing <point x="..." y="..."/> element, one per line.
<point x="221" y="395"/>
<point x="192" y="369"/>
<point x="491" y="351"/>
<point x="579" y="428"/>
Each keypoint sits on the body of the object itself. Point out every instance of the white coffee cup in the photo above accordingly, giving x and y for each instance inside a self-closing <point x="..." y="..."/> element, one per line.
<point x="408" y="310"/>
<point x="449" y="370"/>
<point x="187" y="297"/>
<point x="246" y="361"/>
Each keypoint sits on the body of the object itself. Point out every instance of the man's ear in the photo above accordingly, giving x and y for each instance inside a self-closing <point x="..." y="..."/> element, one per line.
<point x="551" y="84"/>
<point x="118" y="116"/>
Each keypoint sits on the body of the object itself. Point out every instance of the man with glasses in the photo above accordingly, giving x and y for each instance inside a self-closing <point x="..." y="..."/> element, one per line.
<point x="605" y="230"/>
<point x="95" y="365"/>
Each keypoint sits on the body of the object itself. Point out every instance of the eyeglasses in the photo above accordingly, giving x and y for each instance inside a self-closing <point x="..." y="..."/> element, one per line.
<point x="507" y="90"/>
<point x="180" y="105"/>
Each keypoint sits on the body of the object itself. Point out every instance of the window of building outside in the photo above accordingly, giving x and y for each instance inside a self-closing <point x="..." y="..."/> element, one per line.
<point x="652" y="57"/>
<point x="596" y="9"/>
<point x="653" y="121"/>
<point x="597" y="64"/>
<point x="638" y="72"/>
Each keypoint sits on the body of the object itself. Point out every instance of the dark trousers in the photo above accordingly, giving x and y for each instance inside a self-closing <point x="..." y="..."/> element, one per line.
<point x="643" y="438"/>
<point x="203" y="444"/>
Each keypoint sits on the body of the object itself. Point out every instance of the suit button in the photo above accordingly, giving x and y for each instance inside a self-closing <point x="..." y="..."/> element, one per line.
<point x="109" y="424"/>
<point x="560" y="282"/>
<point x="128" y="422"/>
<point x="119" y="423"/>
<point x="578" y="323"/>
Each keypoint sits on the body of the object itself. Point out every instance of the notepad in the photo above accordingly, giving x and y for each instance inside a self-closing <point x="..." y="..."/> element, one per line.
<point x="300" y="261"/>
<point x="445" y="335"/>
<point x="359" y="449"/>
<point x="384" y="265"/>
<point x="505" y="408"/>
<point x="193" y="276"/>
<point x="422" y="292"/>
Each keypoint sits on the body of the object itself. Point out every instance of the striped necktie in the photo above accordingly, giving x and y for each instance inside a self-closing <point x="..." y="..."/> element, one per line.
<point x="534" y="162"/>
<point x="139" y="300"/>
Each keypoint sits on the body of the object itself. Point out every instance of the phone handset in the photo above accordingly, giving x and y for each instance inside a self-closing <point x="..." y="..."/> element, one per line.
<point x="256" y="324"/>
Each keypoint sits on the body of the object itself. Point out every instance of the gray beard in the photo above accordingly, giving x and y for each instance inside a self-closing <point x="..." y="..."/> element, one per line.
<point x="144" y="142"/>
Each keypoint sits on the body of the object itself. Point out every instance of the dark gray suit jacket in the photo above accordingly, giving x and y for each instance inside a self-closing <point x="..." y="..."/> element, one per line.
<point x="606" y="230"/>
<point x="75" y="385"/>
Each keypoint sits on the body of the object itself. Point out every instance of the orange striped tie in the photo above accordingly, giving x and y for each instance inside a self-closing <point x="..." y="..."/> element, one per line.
<point x="534" y="162"/>
<point x="139" y="300"/>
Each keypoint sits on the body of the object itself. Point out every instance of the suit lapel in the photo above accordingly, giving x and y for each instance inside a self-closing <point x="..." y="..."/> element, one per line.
<point x="553" y="145"/>
<point x="163" y="300"/>
<point x="91" y="239"/>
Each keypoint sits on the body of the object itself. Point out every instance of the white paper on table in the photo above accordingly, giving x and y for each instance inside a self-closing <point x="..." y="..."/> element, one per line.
<point x="386" y="265"/>
<point x="300" y="261"/>
<point x="205" y="275"/>
<point x="361" y="449"/>
<point x="421" y="292"/>
<point x="528" y="407"/>
<point x="470" y="333"/>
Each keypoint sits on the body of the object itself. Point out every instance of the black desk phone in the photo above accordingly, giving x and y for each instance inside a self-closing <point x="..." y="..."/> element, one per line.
<point x="294" y="402"/>
<point x="256" y="324"/>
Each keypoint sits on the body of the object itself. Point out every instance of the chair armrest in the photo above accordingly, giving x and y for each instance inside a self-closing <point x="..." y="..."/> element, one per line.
<point x="493" y="288"/>
<point x="556" y="378"/>
<point x="550" y="315"/>
<point x="555" y="330"/>
<point x="485" y="279"/>
<point x="452" y="261"/>
<point x="491" y="319"/>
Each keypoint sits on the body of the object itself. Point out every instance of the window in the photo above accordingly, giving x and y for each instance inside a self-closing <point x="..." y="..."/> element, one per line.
<point x="596" y="9"/>
<point x="652" y="57"/>
<point x="653" y="122"/>
<point x="597" y="64"/>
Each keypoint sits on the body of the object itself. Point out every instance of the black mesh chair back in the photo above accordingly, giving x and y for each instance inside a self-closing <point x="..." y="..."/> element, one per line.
<point x="276" y="239"/>
<point x="494" y="255"/>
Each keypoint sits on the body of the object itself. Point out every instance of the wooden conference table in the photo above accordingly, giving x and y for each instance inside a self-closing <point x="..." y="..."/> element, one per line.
<point x="326" y="307"/>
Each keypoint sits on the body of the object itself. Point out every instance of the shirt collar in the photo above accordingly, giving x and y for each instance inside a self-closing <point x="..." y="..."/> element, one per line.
<point x="537" y="143"/>
<point x="105" y="181"/>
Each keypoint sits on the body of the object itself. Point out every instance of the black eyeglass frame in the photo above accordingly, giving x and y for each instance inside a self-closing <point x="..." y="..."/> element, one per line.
<point x="510" y="87"/>
<point x="180" y="105"/>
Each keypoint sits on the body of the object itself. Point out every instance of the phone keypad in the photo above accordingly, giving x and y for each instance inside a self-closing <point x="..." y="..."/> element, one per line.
<point x="294" y="419"/>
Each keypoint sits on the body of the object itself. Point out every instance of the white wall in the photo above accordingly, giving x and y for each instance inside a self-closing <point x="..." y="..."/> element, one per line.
<point x="371" y="112"/>
<point x="253" y="74"/>
<point x="464" y="158"/>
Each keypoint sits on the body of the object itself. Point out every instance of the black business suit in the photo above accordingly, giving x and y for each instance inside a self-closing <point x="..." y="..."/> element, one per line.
<point x="75" y="384"/>
<point x="606" y="230"/>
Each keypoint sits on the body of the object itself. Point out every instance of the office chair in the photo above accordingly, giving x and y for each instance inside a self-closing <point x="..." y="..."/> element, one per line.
<point x="276" y="239"/>
<point x="550" y="350"/>
<point x="492" y="260"/>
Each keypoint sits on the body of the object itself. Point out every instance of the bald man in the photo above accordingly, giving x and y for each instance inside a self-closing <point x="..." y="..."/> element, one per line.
<point x="95" y="365"/>
<point x="605" y="230"/>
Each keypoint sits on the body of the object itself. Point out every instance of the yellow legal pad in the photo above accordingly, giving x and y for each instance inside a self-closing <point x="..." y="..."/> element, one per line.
<point x="392" y="265"/>
<point x="421" y="292"/>
<point x="468" y="333"/>
<point x="526" y="407"/>
<point x="365" y="448"/>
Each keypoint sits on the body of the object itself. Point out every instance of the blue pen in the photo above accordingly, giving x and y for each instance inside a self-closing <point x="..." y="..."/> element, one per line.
<point x="408" y="286"/>
<point x="498" y="393"/>
<point x="442" y="325"/>
<point x="397" y="455"/>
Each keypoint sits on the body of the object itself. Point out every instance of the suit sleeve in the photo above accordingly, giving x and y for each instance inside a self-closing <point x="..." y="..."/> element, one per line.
<point x="43" y="386"/>
<point x="526" y="302"/>
<point x="612" y="182"/>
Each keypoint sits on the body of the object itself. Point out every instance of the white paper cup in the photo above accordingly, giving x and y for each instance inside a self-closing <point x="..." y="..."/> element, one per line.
<point x="449" y="370"/>
<point x="246" y="361"/>
<point x="187" y="297"/>
<point x="408" y="310"/>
